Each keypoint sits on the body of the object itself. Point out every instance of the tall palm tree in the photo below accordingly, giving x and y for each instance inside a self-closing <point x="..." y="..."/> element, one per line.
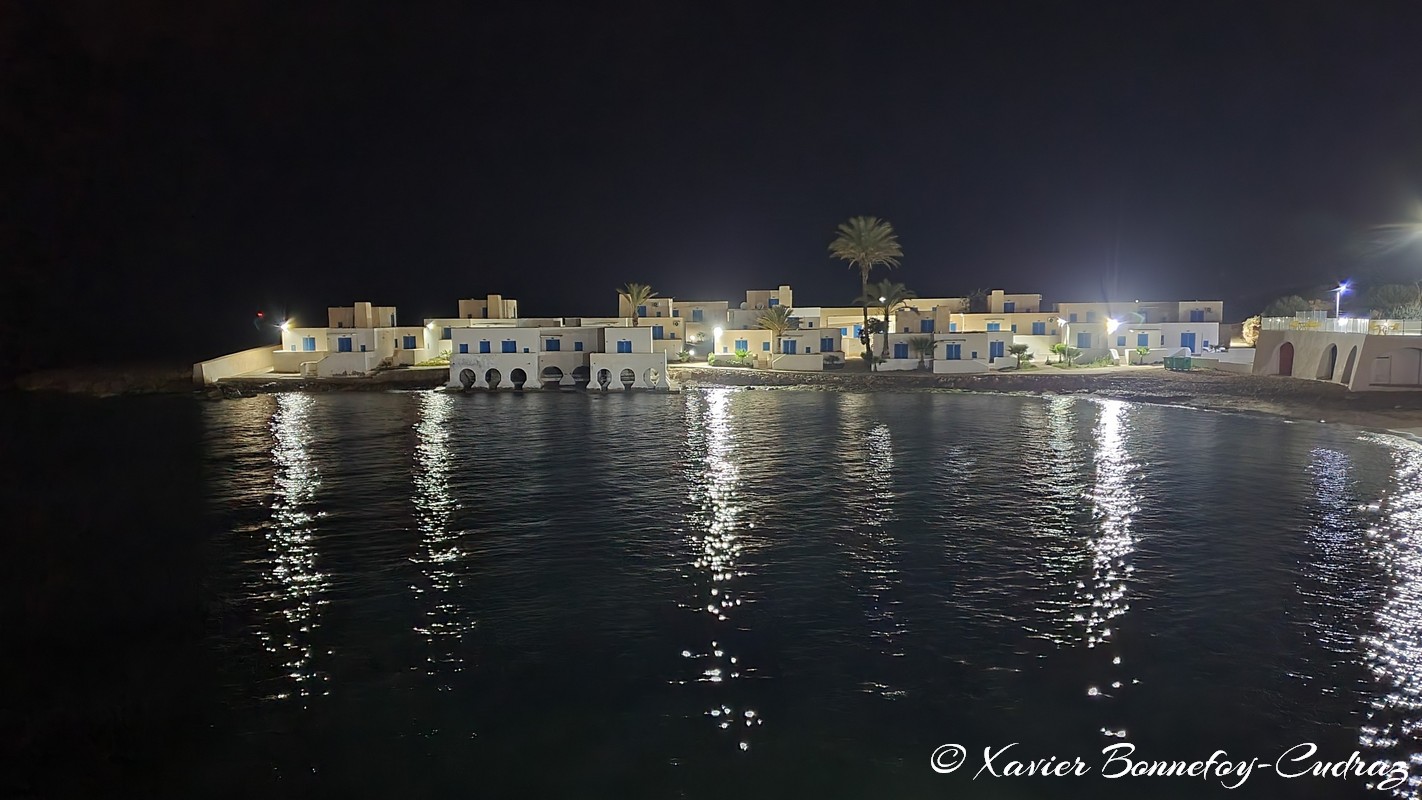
<point x="775" y="319"/>
<point x="637" y="294"/>
<point x="866" y="243"/>
<point x="888" y="296"/>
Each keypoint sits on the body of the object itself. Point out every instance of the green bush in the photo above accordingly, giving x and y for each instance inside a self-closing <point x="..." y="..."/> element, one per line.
<point x="710" y="359"/>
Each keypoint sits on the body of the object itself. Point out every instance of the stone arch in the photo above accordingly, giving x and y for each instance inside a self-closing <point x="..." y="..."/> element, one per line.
<point x="652" y="376"/>
<point x="604" y="378"/>
<point x="551" y="376"/>
<point x="1286" y="358"/>
<point x="628" y="377"/>
<point x="467" y="378"/>
<point x="518" y="377"/>
<point x="581" y="377"/>
<point x="492" y="378"/>
<point x="1348" y="364"/>
<point x="1327" y="363"/>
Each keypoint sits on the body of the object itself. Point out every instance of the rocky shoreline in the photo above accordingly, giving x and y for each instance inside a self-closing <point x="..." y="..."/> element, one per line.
<point x="1202" y="389"/>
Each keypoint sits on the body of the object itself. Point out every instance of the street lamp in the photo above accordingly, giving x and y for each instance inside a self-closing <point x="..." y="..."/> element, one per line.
<point x="1338" y="298"/>
<point x="1061" y="323"/>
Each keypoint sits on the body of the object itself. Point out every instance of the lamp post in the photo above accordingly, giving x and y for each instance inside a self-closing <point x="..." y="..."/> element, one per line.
<point x="1061" y="323"/>
<point x="1338" y="299"/>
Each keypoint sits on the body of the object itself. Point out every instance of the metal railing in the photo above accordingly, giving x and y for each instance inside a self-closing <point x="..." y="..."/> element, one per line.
<point x="1374" y="327"/>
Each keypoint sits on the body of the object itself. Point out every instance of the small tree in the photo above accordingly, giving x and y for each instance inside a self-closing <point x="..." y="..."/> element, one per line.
<point x="1250" y="330"/>
<point x="1141" y="353"/>
<point x="775" y="319"/>
<point x="1067" y="353"/>
<point x="1020" y="351"/>
<point x="922" y="346"/>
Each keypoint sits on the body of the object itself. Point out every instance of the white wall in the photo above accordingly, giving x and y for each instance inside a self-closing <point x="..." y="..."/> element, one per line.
<point x="646" y="368"/>
<point x="336" y="365"/>
<point x="215" y="369"/>
<point x="479" y="365"/>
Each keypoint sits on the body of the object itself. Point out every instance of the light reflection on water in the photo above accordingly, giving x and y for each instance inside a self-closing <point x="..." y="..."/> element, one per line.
<point x="1102" y="598"/>
<point x="867" y="473"/>
<point x="1393" y="651"/>
<point x="296" y="585"/>
<point x="445" y="620"/>
<point x="717" y="543"/>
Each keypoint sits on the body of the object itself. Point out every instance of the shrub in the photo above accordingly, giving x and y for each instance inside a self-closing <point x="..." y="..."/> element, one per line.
<point x="710" y="359"/>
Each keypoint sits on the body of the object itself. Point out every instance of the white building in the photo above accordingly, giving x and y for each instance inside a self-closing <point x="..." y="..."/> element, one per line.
<point x="1365" y="355"/>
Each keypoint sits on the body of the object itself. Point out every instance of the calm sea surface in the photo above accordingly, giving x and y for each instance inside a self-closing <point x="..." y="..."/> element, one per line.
<point x="722" y="593"/>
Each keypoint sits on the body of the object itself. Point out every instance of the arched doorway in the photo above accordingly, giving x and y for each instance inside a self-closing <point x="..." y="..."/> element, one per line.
<point x="604" y="378"/>
<point x="552" y="377"/>
<point x="1286" y="358"/>
<point x="519" y="378"/>
<point x="1327" y="363"/>
<point x="581" y="377"/>
<point x="467" y="378"/>
<point x="1348" y="365"/>
<point x="492" y="378"/>
<point x="628" y="377"/>
<point x="653" y="376"/>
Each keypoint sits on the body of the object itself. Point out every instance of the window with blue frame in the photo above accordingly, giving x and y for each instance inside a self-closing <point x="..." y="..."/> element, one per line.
<point x="446" y="334"/>
<point x="510" y="346"/>
<point x="765" y="345"/>
<point x="1198" y="315"/>
<point x="1014" y="327"/>
<point x="1039" y="329"/>
<point x="552" y="345"/>
<point x="995" y="350"/>
<point x="787" y="347"/>
<point x="658" y="332"/>
<point x="1071" y="317"/>
<point x="409" y="343"/>
<point x="843" y="331"/>
<point x="624" y="345"/>
<point x="343" y="344"/>
<point x="1142" y="340"/>
<point x="1009" y="306"/>
<point x="774" y="301"/>
<point x="742" y="344"/>
<point x="577" y="347"/>
<point x="954" y="352"/>
<point x="900" y="350"/>
<point x="308" y="343"/>
<point x="858" y="331"/>
<point x="994" y="326"/>
<point x="925" y="326"/>
<point x="697" y="315"/>
<point x="952" y="327"/>
<point x="1083" y="340"/>
<point x="826" y="344"/>
<point x="1120" y="341"/>
<point x="463" y="347"/>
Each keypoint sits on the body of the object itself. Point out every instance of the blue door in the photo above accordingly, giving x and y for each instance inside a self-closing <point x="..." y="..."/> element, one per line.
<point x="510" y="346"/>
<point x="697" y="315"/>
<point x="409" y="343"/>
<point x="1197" y="316"/>
<point x="463" y="347"/>
<point x="1083" y="341"/>
<point x="1142" y="340"/>
<point x="641" y="311"/>
<point x="553" y="345"/>
<point x="995" y="350"/>
<point x="1039" y="329"/>
<point x="954" y="352"/>
<point x="1188" y="340"/>
<point x="787" y="347"/>
<point x="658" y="332"/>
<point x="484" y="346"/>
<point x="343" y="344"/>
<point x="925" y="326"/>
<point x="1009" y="306"/>
<point x="624" y="346"/>
<point x="578" y="346"/>
<point x="446" y="335"/>
<point x="308" y="343"/>
<point x="900" y="350"/>
<point x="826" y="344"/>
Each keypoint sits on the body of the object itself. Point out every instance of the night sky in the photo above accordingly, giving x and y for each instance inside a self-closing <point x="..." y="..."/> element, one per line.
<point x="177" y="166"/>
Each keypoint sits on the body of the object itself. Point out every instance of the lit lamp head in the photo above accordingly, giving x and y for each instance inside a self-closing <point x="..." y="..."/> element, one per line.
<point x="286" y="326"/>
<point x="883" y="299"/>
<point x="1061" y="321"/>
<point x="1112" y="325"/>
<point x="717" y="331"/>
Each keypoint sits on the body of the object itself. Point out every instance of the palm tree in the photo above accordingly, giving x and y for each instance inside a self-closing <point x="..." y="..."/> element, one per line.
<point x="888" y="296"/>
<point x="775" y="319"/>
<point x="866" y="243"/>
<point x="637" y="295"/>
<point x="921" y="346"/>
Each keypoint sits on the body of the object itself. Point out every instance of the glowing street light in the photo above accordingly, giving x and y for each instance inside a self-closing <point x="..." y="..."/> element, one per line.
<point x="286" y="326"/>
<point x="1338" y="298"/>
<point x="1112" y="325"/>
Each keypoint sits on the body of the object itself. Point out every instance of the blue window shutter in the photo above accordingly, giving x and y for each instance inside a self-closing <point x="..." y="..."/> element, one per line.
<point x="1142" y="340"/>
<point x="1120" y="341"/>
<point x="554" y="345"/>
<point x="484" y="346"/>
<point x="1009" y="307"/>
<point x="774" y="301"/>
<point x="1083" y="340"/>
<point x="409" y="343"/>
<point x="1072" y="317"/>
<point x="1014" y="327"/>
<point x="463" y="347"/>
<point x="1039" y="329"/>
<point x="510" y="346"/>
<point x="676" y="312"/>
<point x="994" y="326"/>
<point x="658" y="332"/>
<point x="858" y="331"/>
<point x="641" y="311"/>
<point x="826" y="344"/>
<point x="697" y="315"/>
<point x="900" y="350"/>
<point x="952" y="327"/>
<point x="446" y="334"/>
<point x="765" y="345"/>
<point x="925" y="326"/>
<point x="577" y="346"/>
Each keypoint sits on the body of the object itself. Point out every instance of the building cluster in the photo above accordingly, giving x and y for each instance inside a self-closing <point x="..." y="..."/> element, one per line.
<point x="490" y="346"/>
<point x="1364" y="355"/>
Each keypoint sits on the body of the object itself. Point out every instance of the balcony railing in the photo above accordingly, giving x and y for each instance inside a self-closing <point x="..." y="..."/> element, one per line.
<point x="1374" y="327"/>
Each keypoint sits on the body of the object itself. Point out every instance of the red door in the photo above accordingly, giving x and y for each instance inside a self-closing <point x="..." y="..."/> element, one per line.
<point x="1286" y="359"/>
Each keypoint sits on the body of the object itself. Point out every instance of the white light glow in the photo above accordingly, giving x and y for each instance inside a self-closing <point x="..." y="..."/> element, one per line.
<point x="1112" y="325"/>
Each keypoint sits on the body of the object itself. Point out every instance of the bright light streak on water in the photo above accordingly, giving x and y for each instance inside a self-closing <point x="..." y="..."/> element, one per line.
<point x="296" y="582"/>
<point x="1393" y="652"/>
<point x="445" y="620"/>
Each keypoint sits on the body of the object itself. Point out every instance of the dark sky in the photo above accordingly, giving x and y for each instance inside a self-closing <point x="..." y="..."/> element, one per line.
<point x="185" y="164"/>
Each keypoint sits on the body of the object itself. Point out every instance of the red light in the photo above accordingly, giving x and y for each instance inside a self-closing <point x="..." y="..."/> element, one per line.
<point x="260" y="314"/>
